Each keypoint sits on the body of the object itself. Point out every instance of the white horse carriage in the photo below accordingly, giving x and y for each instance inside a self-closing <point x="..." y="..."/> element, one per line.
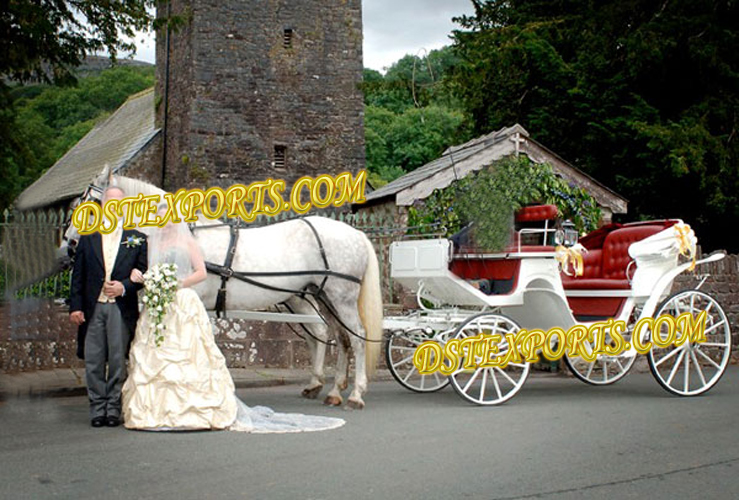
<point x="628" y="272"/>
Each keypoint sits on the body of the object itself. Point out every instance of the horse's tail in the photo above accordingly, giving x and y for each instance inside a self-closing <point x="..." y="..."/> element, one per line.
<point x="370" y="309"/>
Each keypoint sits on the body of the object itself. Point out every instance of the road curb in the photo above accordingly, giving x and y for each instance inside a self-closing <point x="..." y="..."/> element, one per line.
<point x="27" y="385"/>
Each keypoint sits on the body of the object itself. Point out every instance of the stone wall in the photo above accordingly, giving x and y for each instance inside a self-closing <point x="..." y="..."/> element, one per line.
<point x="35" y="334"/>
<point x="236" y="91"/>
<point x="147" y="164"/>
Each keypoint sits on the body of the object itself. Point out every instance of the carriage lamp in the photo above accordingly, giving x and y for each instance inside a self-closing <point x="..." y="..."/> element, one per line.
<point x="559" y="236"/>
<point x="570" y="233"/>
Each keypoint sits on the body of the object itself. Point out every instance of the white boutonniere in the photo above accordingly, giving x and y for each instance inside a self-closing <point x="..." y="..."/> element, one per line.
<point x="133" y="241"/>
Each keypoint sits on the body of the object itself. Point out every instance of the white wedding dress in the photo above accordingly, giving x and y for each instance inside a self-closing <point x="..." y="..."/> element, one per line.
<point x="184" y="384"/>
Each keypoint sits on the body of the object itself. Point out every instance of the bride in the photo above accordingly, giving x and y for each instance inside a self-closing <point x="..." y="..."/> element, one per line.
<point x="183" y="383"/>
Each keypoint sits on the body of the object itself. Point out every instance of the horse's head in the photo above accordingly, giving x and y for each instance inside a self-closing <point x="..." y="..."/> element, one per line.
<point x="94" y="192"/>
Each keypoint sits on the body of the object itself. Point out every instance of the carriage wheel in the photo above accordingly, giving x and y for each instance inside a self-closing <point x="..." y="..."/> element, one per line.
<point x="605" y="370"/>
<point x="489" y="386"/>
<point x="399" y="357"/>
<point x="693" y="368"/>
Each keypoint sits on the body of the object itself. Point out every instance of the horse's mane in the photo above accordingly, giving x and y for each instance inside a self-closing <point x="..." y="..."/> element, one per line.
<point x="131" y="186"/>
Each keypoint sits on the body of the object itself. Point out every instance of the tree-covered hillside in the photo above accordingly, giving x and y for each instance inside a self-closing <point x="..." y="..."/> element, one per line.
<point x="43" y="121"/>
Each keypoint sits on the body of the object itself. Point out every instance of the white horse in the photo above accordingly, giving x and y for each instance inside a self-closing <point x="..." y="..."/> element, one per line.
<point x="292" y="246"/>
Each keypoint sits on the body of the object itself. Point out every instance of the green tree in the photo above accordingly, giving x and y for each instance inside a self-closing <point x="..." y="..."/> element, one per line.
<point x="412" y="81"/>
<point x="399" y="143"/>
<point x="642" y="94"/>
<point x="410" y="114"/>
<point x="46" y="40"/>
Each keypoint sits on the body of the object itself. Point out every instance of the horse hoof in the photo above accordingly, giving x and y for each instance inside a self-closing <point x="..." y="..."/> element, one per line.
<point x="355" y="405"/>
<point x="332" y="401"/>
<point x="311" y="393"/>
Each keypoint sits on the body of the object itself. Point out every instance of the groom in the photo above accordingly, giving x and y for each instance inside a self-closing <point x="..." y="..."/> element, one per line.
<point x="105" y="309"/>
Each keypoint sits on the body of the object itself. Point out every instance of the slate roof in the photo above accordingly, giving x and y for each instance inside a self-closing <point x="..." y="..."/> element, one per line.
<point x="114" y="141"/>
<point x="456" y="153"/>
<point x="502" y="140"/>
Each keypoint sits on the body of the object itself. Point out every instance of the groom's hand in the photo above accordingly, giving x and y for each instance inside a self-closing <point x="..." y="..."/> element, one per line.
<point x="77" y="317"/>
<point x="113" y="289"/>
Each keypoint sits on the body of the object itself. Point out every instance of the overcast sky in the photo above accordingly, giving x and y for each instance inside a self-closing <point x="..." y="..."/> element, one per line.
<point x="392" y="29"/>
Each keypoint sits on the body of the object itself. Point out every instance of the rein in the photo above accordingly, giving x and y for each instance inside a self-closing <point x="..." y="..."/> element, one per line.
<point x="226" y="271"/>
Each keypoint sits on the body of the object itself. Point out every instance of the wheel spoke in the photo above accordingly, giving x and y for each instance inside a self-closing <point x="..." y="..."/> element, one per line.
<point x="713" y="327"/>
<point x="495" y="384"/>
<point x="472" y="379"/>
<point x="403" y="361"/>
<point x="618" y="362"/>
<point x="402" y="348"/>
<point x="605" y="369"/>
<point x="674" y="368"/>
<point x="668" y="356"/>
<point x="708" y="358"/>
<point x="698" y="367"/>
<point x="405" y="379"/>
<point x="506" y="376"/>
<point x="423" y="381"/>
<point x="712" y="344"/>
<point x="686" y="378"/>
<point x="590" y="370"/>
<point x="436" y="377"/>
<point x="482" y="386"/>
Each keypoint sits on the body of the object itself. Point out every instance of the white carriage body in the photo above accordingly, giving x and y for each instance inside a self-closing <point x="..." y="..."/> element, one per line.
<point x="538" y="299"/>
<point x="527" y="290"/>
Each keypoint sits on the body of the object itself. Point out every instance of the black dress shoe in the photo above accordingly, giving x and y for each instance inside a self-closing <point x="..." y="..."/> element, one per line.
<point x="112" y="421"/>
<point x="98" y="422"/>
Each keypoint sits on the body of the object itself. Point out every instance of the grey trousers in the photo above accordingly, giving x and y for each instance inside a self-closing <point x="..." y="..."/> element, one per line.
<point x="106" y="340"/>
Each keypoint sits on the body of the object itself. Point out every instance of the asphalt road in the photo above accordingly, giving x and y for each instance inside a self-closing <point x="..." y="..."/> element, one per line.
<point x="557" y="439"/>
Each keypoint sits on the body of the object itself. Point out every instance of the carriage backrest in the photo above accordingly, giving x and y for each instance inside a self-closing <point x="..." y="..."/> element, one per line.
<point x="537" y="213"/>
<point x="616" y="249"/>
<point x="608" y="248"/>
<point x="535" y="221"/>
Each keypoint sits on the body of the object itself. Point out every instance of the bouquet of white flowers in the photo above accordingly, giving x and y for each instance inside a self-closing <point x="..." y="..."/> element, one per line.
<point x="160" y="287"/>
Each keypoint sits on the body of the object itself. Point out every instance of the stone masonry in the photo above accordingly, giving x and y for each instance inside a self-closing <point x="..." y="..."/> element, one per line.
<point x="259" y="90"/>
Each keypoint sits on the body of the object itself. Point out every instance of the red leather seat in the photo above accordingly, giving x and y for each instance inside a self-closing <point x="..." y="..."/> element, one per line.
<point x="537" y="213"/>
<point x="605" y="269"/>
<point x="595" y="284"/>
<point x="616" y="256"/>
<point x="605" y="265"/>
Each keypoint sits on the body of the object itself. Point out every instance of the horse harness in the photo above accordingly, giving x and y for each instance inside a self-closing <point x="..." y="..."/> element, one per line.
<point x="226" y="271"/>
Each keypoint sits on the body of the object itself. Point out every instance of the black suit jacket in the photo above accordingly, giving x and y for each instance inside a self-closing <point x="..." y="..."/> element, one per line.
<point x="88" y="277"/>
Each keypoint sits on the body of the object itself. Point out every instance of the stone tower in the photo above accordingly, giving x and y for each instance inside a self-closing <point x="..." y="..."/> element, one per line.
<point x="253" y="89"/>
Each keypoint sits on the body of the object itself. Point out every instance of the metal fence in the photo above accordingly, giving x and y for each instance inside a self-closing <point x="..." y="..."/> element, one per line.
<point x="29" y="250"/>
